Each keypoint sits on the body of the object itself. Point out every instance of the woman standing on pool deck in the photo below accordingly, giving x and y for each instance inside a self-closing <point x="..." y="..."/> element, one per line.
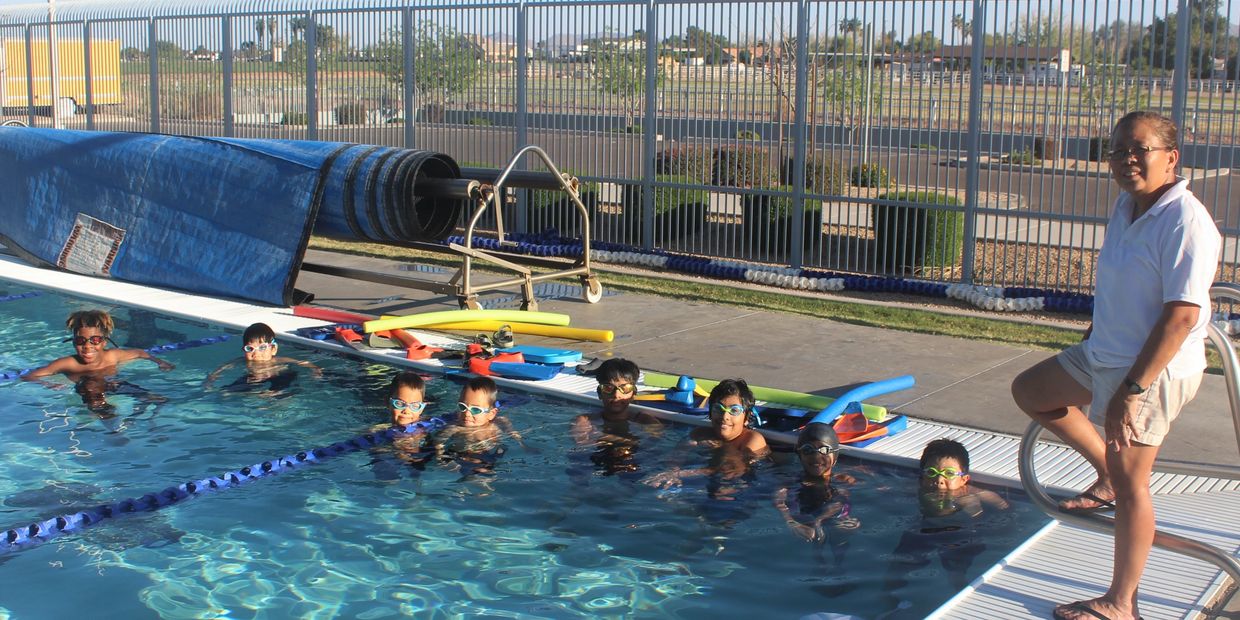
<point x="1144" y="353"/>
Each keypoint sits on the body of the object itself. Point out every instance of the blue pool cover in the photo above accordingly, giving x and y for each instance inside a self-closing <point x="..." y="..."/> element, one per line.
<point x="217" y="216"/>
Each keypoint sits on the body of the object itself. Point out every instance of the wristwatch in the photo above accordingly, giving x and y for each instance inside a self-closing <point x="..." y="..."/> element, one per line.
<point x="1133" y="387"/>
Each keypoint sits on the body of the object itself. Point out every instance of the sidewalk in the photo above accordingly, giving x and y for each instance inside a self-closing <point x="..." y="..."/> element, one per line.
<point x="959" y="382"/>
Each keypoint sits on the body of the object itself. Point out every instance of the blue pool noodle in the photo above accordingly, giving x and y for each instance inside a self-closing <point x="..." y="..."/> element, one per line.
<point x="862" y="393"/>
<point x="41" y="531"/>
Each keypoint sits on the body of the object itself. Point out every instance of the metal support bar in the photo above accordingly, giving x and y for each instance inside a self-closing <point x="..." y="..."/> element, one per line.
<point x="648" y="124"/>
<point x="973" y="173"/>
<point x="152" y="37"/>
<point x="226" y="64"/>
<point x="799" y="124"/>
<point x="406" y="84"/>
<point x="90" y="76"/>
<point x="312" y="78"/>
<point x="1171" y="542"/>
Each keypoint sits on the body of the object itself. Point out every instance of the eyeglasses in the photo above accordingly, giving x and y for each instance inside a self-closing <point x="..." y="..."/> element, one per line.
<point x="399" y="404"/>
<point x="810" y="449"/>
<point x="623" y="388"/>
<point x="1135" y="151"/>
<point x="82" y="340"/>
<point x="949" y="473"/>
<point x="471" y="409"/>
<point x="250" y="348"/>
<point x="732" y="410"/>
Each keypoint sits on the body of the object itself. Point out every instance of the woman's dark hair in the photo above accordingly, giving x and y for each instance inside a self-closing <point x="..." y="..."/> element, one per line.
<point x="1162" y="126"/>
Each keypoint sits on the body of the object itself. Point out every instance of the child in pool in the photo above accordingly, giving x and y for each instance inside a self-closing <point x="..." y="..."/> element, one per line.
<point x="406" y="403"/>
<point x="609" y="428"/>
<point x="734" y="447"/>
<point x="261" y="364"/>
<point x="91" y="334"/>
<point x="817" y="501"/>
<point x="474" y="439"/>
<point x="945" y="488"/>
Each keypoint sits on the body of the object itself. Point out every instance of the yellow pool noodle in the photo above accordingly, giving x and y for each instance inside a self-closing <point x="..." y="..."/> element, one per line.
<point x="569" y="333"/>
<point x="448" y="316"/>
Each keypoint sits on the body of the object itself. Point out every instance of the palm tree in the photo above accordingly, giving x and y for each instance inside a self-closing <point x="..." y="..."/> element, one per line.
<point x="965" y="28"/>
<point x="260" y="27"/>
<point x="271" y="32"/>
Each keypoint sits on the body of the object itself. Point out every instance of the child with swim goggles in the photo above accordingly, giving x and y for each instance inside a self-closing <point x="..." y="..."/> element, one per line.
<point x="92" y="330"/>
<point x="474" y="439"/>
<point x="258" y="353"/>
<point x="734" y="446"/>
<point x="817" y="501"/>
<point x="945" y="488"/>
<point x="609" y="428"/>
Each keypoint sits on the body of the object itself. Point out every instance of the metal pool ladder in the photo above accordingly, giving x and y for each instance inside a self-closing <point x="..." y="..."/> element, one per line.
<point x="1221" y="291"/>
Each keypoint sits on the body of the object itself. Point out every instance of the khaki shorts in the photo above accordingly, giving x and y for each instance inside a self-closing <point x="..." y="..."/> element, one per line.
<point x="1160" y="404"/>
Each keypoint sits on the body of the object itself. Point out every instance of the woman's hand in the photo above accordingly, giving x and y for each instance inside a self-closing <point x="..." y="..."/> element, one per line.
<point x="1121" y="419"/>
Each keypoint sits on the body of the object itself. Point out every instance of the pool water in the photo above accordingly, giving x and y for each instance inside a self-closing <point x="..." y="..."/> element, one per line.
<point x="554" y="530"/>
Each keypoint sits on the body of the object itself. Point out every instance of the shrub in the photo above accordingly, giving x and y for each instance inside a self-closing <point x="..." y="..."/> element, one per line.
<point x="823" y="175"/>
<point x="293" y="117"/>
<point x="693" y="162"/>
<point x="668" y="199"/>
<point x="351" y="113"/>
<point x="1024" y="157"/>
<point x="869" y="175"/>
<point x="544" y="198"/>
<point x="748" y="134"/>
<point x="925" y="146"/>
<point x="914" y="235"/>
<point x="479" y="121"/>
<point x="743" y="166"/>
<point x="768" y="220"/>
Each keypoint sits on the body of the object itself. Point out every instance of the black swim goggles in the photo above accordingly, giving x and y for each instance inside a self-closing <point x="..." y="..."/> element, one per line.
<point x="811" y="449"/>
<point x="80" y="341"/>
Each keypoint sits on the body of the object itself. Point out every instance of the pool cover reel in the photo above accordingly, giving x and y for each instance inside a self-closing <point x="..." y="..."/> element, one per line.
<point x="41" y="531"/>
<point x="216" y="216"/>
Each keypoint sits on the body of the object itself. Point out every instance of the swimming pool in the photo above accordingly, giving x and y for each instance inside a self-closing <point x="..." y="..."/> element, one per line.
<point x="556" y="531"/>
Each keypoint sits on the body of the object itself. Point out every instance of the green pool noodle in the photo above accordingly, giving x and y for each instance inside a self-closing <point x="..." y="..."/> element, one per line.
<point x="799" y="400"/>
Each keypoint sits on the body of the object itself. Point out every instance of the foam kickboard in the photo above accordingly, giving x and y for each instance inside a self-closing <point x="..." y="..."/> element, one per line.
<point x="545" y="355"/>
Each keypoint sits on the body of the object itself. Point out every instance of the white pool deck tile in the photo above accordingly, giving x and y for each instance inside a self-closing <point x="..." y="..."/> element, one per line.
<point x="1061" y="563"/>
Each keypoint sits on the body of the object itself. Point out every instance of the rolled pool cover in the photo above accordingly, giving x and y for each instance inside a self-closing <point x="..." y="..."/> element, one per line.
<point x="217" y="216"/>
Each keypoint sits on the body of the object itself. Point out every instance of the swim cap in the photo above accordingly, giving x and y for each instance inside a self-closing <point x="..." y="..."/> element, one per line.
<point x="819" y="433"/>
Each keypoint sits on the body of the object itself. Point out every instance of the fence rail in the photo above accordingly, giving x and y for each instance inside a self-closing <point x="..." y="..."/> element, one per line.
<point x="951" y="140"/>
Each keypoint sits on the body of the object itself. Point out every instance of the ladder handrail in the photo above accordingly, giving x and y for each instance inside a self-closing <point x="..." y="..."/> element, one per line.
<point x="1098" y="523"/>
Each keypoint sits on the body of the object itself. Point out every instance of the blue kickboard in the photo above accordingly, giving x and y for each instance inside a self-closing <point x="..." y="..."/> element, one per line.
<point x="518" y="370"/>
<point x="545" y="355"/>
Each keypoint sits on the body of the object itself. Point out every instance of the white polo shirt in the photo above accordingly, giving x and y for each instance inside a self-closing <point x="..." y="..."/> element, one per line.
<point x="1170" y="253"/>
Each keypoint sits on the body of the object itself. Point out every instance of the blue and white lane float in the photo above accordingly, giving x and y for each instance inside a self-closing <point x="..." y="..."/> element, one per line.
<point x="39" y="532"/>
<point x="1000" y="299"/>
<point x="18" y="296"/>
<point x="159" y="348"/>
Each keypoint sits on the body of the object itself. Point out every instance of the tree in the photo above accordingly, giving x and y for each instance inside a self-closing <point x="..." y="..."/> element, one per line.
<point x="250" y="50"/>
<point x="1109" y="97"/>
<point x="923" y="43"/>
<point x="965" y="28"/>
<point x="445" y="62"/>
<point x="710" y="47"/>
<point x="167" y="50"/>
<point x="1209" y="36"/>
<point x="132" y="54"/>
<point x="260" y="29"/>
<point x="622" y="72"/>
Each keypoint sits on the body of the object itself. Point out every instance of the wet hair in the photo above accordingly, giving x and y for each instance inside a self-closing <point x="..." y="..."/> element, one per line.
<point x="484" y="385"/>
<point x="818" y="433"/>
<point x="731" y="387"/>
<point x="90" y="318"/>
<point x="617" y="368"/>
<point x="945" y="448"/>
<point x="260" y="332"/>
<point x="1162" y="126"/>
<point x="406" y="379"/>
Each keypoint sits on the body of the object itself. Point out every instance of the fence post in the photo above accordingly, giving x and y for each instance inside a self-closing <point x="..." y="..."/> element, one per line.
<point x="522" y="121"/>
<point x="974" y="142"/>
<point x="90" y="81"/>
<point x="648" y="123"/>
<point x="1179" y="79"/>
<point x="226" y="62"/>
<point x="312" y="78"/>
<point x="29" y="77"/>
<point x="406" y="82"/>
<point x="801" y="96"/>
<point x="152" y="37"/>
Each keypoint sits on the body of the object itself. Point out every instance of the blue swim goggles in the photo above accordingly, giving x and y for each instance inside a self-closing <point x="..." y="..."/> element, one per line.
<point x="399" y="404"/>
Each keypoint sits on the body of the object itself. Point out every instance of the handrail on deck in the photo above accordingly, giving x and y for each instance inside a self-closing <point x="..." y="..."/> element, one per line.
<point x="1171" y="542"/>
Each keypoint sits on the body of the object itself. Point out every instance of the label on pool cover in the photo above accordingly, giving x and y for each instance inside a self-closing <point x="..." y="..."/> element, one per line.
<point x="91" y="247"/>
